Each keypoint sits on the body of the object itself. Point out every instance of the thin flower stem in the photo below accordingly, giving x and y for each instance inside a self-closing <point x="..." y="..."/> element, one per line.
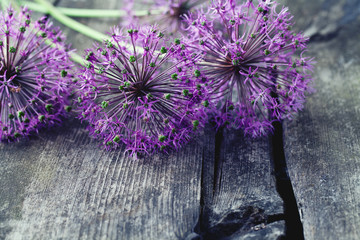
<point x="81" y="28"/>
<point x="78" y="59"/>
<point x="90" y="13"/>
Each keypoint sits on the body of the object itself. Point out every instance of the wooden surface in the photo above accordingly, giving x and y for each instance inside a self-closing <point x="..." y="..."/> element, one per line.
<point x="322" y="144"/>
<point x="61" y="185"/>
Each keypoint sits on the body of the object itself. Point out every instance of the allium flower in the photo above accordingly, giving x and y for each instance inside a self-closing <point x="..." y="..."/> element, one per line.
<point x="144" y="97"/>
<point x="33" y="75"/>
<point x="168" y="14"/>
<point x="251" y="59"/>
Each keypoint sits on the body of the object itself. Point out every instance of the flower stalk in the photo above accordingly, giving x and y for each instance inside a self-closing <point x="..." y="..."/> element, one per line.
<point x="90" y="13"/>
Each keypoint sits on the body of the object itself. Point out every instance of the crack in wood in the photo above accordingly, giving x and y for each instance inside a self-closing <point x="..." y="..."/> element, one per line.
<point x="218" y="163"/>
<point x="293" y="225"/>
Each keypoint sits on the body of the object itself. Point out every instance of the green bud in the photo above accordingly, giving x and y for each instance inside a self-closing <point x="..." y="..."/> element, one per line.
<point x="167" y="96"/>
<point x="63" y="73"/>
<point x="11" y="116"/>
<point x="166" y="121"/>
<point x="266" y="52"/>
<point x="177" y="41"/>
<point x="22" y="29"/>
<point x="132" y="59"/>
<point x="101" y="70"/>
<point x="185" y="92"/>
<point x="12" y="50"/>
<point x="41" y="118"/>
<point x="21" y="114"/>
<point x="48" y="107"/>
<point x="163" y="50"/>
<point x="201" y="42"/>
<point x="16" y="135"/>
<point x="197" y="73"/>
<point x="104" y="104"/>
<point x="160" y="35"/>
<point x="116" y="139"/>
<point x="152" y="64"/>
<point x="162" y="138"/>
<point x="68" y="108"/>
<point x="125" y="106"/>
<point x="195" y="123"/>
<point x="205" y="103"/>
<point x="26" y="120"/>
<point x="174" y="76"/>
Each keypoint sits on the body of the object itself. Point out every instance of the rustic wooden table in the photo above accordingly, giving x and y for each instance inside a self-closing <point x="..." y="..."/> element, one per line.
<point x="303" y="182"/>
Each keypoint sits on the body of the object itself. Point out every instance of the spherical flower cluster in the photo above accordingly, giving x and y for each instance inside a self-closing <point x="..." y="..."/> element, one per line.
<point x="34" y="79"/>
<point x="255" y="64"/>
<point x="138" y="90"/>
<point x="168" y="14"/>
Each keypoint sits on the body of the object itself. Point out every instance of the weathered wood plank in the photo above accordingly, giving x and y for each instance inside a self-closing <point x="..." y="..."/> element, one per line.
<point x="62" y="186"/>
<point x="241" y="197"/>
<point x="322" y="143"/>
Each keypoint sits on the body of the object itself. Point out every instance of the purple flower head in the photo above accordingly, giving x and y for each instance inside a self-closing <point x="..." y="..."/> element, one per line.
<point x="34" y="75"/>
<point x="138" y="90"/>
<point x="168" y="14"/>
<point x="251" y="59"/>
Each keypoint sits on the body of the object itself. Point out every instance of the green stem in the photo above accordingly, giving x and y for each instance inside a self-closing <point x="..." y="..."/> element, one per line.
<point x="77" y="59"/>
<point x="89" y="13"/>
<point x="81" y="28"/>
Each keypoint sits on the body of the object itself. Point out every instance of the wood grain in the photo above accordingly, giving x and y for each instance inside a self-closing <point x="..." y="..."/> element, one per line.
<point x="322" y="143"/>
<point x="65" y="187"/>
